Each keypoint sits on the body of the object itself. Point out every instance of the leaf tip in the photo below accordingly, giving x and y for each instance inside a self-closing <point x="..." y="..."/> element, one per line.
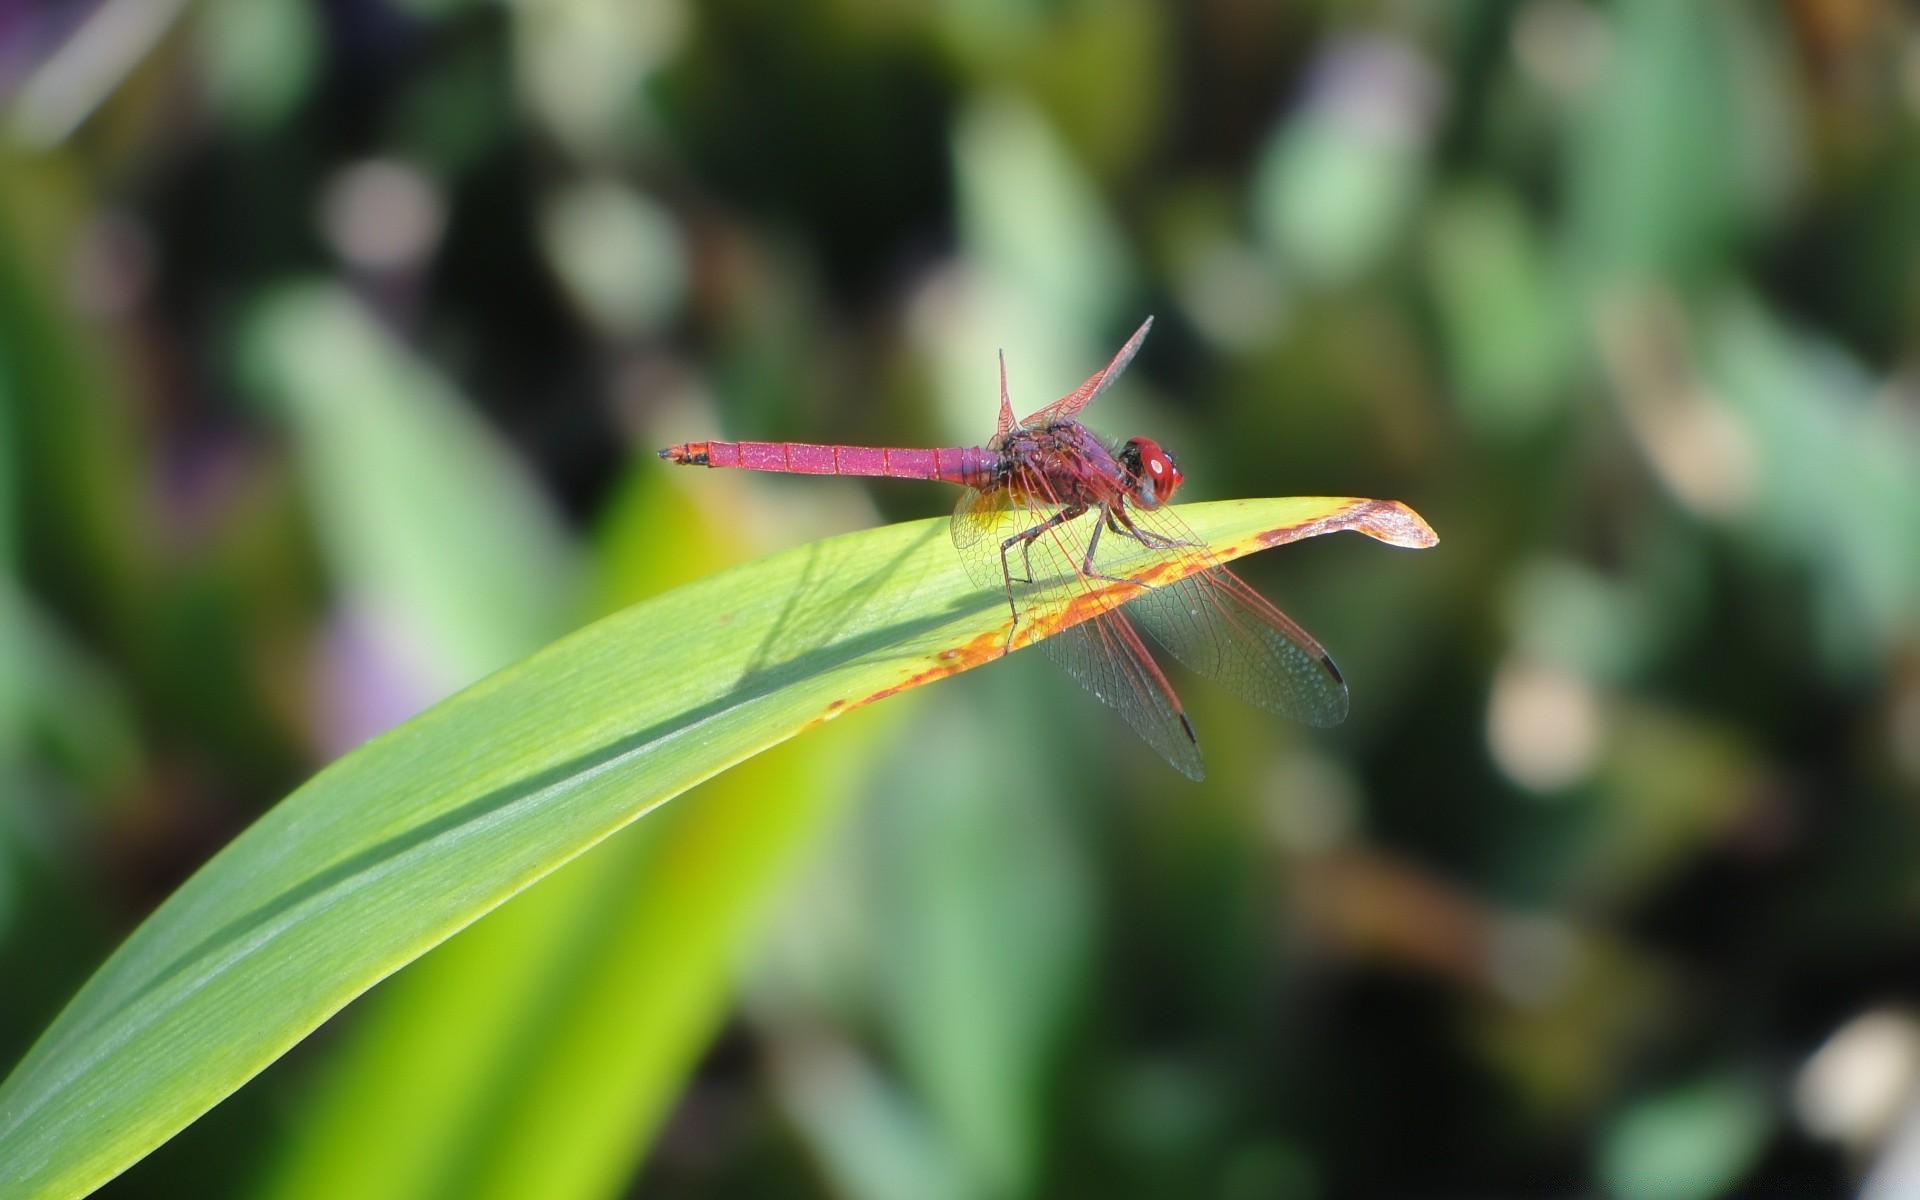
<point x="1388" y="521"/>
<point x="1398" y="525"/>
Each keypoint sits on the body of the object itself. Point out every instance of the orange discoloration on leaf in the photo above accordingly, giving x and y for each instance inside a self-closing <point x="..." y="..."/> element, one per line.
<point x="912" y="681"/>
<point x="982" y="649"/>
<point x="1384" y="520"/>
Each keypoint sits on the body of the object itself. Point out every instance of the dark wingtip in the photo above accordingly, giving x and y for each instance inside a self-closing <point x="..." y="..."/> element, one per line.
<point x="1337" y="714"/>
<point x="1187" y="764"/>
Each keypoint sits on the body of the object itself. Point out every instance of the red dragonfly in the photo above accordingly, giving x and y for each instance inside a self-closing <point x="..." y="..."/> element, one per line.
<point x="1040" y="496"/>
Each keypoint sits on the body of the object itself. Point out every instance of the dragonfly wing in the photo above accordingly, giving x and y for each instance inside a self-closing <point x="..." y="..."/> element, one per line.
<point x="1089" y="391"/>
<point x="1220" y="627"/>
<point x="975" y="519"/>
<point x="1106" y="656"/>
<point x="1005" y="421"/>
<point x="985" y="518"/>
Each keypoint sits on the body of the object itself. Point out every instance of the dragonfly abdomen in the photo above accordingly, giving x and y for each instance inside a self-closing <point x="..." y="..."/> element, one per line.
<point x="968" y="466"/>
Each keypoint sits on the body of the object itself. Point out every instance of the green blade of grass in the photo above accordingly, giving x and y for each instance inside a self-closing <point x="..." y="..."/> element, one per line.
<point x="538" y="1052"/>
<point x="401" y="843"/>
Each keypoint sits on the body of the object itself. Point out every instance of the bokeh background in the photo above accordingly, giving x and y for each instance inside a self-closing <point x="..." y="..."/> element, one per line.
<point x="335" y="340"/>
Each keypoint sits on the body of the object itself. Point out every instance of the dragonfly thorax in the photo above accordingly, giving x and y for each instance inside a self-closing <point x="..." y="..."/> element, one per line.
<point x="1064" y="462"/>
<point x="1152" y="475"/>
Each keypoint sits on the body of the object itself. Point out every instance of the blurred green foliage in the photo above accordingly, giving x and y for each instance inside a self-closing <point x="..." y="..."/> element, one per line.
<point x="334" y="343"/>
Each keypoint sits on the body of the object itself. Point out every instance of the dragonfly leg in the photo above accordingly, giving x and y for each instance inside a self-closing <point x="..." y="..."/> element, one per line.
<point x="1146" y="537"/>
<point x="1093" y="545"/>
<point x="1109" y="521"/>
<point x="1025" y="541"/>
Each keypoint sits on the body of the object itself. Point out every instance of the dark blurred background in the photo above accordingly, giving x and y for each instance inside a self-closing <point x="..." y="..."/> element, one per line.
<point x="335" y="340"/>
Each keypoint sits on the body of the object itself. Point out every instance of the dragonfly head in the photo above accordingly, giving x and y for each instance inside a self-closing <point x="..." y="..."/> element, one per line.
<point x="1152" y="474"/>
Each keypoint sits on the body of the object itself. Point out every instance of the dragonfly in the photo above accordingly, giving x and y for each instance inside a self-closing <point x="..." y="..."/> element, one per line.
<point x="1049" y="513"/>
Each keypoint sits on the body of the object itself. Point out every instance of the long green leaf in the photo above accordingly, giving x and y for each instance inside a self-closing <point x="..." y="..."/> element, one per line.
<point x="401" y="843"/>
<point x="537" y="1053"/>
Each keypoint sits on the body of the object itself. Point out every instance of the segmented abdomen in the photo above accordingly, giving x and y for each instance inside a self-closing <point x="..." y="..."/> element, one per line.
<point x="966" y="465"/>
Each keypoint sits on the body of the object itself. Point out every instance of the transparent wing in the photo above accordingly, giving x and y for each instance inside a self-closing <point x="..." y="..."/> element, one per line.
<point x="976" y="519"/>
<point x="1104" y="654"/>
<point x="985" y="518"/>
<point x="1089" y="391"/>
<point x="1005" y="420"/>
<point x="1216" y="624"/>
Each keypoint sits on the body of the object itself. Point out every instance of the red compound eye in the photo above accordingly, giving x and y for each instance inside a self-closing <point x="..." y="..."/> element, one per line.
<point x="1156" y="475"/>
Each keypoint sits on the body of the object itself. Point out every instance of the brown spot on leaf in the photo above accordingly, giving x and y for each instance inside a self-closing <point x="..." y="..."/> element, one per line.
<point x="1388" y="521"/>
